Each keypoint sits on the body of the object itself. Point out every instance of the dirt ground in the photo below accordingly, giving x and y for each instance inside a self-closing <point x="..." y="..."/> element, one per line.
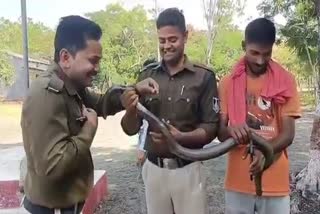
<point x="114" y="152"/>
<point x="126" y="191"/>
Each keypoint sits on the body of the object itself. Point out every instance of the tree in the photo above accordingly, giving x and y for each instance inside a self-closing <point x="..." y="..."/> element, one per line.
<point x="227" y="50"/>
<point x="6" y="69"/>
<point x="40" y="44"/>
<point x="291" y="61"/>
<point x="302" y="32"/>
<point x="218" y="15"/>
<point x="155" y="13"/>
<point x="128" y="40"/>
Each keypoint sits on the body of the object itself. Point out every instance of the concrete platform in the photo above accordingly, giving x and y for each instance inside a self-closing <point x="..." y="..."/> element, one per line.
<point x="10" y="198"/>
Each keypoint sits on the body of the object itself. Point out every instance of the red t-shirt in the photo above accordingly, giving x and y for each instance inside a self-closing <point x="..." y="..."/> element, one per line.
<point x="262" y="116"/>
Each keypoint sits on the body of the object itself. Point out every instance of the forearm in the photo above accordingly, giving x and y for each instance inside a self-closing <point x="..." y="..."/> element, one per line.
<point x="223" y="134"/>
<point x="281" y="143"/>
<point x="286" y="134"/>
<point x="104" y="104"/>
<point x="196" y="137"/>
<point x="131" y="123"/>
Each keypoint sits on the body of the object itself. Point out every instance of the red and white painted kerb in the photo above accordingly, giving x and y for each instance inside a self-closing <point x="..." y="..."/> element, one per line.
<point x="10" y="197"/>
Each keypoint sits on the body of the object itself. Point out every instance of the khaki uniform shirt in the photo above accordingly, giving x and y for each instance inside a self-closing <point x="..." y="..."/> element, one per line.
<point x="57" y="139"/>
<point x="188" y="100"/>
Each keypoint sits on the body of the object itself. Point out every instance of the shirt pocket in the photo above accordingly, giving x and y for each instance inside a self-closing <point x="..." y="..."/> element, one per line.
<point x="75" y="119"/>
<point x="152" y="103"/>
<point x="185" y="107"/>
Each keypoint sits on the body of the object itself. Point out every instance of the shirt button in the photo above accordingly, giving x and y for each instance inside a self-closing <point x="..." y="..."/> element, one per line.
<point x="169" y="98"/>
<point x="188" y="100"/>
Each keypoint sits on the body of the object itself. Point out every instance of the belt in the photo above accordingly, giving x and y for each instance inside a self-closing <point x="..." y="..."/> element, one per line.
<point x="168" y="163"/>
<point x="37" y="209"/>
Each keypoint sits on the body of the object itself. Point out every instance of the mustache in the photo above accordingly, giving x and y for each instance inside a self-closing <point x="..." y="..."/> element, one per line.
<point x="260" y="66"/>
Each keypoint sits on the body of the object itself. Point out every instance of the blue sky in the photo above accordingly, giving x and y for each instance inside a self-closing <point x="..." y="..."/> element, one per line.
<point x="49" y="11"/>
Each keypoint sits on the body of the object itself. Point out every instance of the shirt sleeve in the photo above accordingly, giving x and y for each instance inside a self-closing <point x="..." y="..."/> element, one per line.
<point x="104" y="104"/>
<point x="142" y="76"/>
<point x="292" y="107"/>
<point x="209" y="104"/>
<point x="223" y="96"/>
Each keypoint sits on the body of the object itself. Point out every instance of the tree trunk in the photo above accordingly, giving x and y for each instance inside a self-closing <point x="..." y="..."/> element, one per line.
<point x="211" y="16"/>
<point x="318" y="54"/>
<point x="307" y="182"/>
<point x="156" y="13"/>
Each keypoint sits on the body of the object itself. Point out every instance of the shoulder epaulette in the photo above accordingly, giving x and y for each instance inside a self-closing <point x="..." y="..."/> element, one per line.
<point x="202" y="66"/>
<point x="55" y="84"/>
<point x="151" y="66"/>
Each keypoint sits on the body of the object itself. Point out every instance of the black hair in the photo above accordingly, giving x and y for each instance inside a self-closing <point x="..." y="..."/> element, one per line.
<point x="72" y="34"/>
<point x="261" y="31"/>
<point x="172" y="17"/>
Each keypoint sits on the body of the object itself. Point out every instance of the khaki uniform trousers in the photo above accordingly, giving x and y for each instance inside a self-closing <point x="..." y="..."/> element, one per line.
<point x="179" y="191"/>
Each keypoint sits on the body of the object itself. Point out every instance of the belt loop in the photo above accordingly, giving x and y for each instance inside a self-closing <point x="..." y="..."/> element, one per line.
<point x="76" y="208"/>
<point x="180" y="163"/>
<point x="57" y="211"/>
<point x="159" y="162"/>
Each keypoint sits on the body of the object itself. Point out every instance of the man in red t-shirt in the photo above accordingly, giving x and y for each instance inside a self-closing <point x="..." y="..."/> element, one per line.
<point x="270" y="106"/>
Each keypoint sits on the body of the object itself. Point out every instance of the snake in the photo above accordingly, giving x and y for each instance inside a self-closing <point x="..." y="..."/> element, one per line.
<point x="203" y="154"/>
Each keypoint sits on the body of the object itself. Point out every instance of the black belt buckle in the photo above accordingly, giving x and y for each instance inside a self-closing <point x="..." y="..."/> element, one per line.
<point x="165" y="162"/>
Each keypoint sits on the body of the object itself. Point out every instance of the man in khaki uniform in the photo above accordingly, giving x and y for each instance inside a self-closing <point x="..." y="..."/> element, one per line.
<point x="59" y="120"/>
<point x="187" y="101"/>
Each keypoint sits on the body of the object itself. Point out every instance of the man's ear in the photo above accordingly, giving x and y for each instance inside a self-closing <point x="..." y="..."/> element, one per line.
<point x="243" y="45"/>
<point x="65" y="58"/>
<point x="186" y="34"/>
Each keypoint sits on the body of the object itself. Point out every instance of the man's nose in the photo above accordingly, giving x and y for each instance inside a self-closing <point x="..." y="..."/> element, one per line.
<point x="167" y="45"/>
<point x="261" y="61"/>
<point x="96" y="68"/>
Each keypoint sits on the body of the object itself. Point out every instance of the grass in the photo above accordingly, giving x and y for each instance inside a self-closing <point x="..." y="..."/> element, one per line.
<point x="308" y="100"/>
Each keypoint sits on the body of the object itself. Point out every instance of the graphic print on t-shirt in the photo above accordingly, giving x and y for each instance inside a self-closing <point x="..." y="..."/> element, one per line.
<point x="260" y="115"/>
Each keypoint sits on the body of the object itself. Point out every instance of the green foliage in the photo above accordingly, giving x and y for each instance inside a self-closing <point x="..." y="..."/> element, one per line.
<point x="308" y="99"/>
<point x="291" y="61"/>
<point x="129" y="39"/>
<point x="40" y="44"/>
<point x="40" y="38"/>
<point x="196" y="45"/>
<point x="6" y="69"/>
<point x="300" y="31"/>
<point x="227" y="50"/>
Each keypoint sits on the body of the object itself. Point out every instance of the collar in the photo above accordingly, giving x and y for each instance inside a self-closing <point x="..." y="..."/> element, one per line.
<point x="62" y="79"/>
<point x="187" y="65"/>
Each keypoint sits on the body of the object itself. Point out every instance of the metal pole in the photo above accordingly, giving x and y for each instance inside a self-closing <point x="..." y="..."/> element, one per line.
<point x="156" y="16"/>
<point x="25" y="40"/>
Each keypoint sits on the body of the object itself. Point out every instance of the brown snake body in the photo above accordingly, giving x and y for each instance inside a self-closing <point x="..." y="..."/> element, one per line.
<point x="207" y="153"/>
